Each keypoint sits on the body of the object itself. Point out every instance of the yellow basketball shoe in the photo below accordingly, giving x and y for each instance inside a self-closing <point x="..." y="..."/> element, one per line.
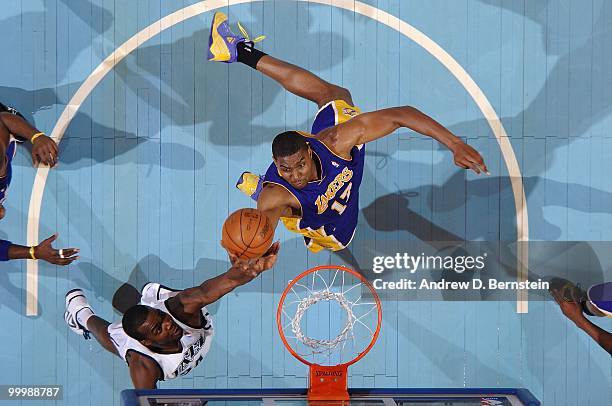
<point x="222" y="41"/>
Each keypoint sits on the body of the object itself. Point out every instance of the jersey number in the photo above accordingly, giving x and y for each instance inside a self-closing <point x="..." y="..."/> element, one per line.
<point x="339" y="207"/>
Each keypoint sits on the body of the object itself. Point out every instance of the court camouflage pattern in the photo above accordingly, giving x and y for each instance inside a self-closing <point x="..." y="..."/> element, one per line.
<point x="149" y="161"/>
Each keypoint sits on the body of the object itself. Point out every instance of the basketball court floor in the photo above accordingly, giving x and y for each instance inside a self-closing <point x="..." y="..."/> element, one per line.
<point x="153" y="138"/>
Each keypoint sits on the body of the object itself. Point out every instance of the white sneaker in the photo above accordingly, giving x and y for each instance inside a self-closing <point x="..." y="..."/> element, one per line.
<point x="76" y="302"/>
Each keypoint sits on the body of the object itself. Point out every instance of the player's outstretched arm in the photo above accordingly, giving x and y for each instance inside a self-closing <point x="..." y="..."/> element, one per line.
<point x="275" y="202"/>
<point x="371" y="126"/>
<point x="601" y="336"/>
<point x="190" y="301"/>
<point x="44" y="149"/>
<point x="573" y="311"/>
<point x="44" y="251"/>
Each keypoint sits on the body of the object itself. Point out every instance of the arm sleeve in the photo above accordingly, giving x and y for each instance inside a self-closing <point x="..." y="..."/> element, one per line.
<point x="4" y="248"/>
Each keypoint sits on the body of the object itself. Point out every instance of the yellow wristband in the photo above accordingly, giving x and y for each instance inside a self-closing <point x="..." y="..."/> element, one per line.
<point x="32" y="256"/>
<point x="35" y="136"/>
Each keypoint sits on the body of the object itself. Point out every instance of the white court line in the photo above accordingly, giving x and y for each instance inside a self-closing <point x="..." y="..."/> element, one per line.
<point x="374" y="13"/>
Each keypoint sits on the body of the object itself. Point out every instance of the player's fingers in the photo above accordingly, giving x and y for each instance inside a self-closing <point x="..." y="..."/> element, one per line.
<point x="574" y="296"/>
<point x="460" y="164"/>
<point x="53" y="153"/>
<point x="471" y="164"/>
<point x="50" y="156"/>
<point x="69" y="260"/>
<point x="50" y="160"/>
<point x="68" y="252"/>
<point x="41" y="156"/>
<point x="272" y="250"/>
<point x="275" y="248"/>
<point x="465" y="164"/>
<point x="473" y="157"/>
<point x="477" y="158"/>
<point x="484" y="167"/>
<point x="50" y="239"/>
<point x="46" y="159"/>
<point x="65" y="261"/>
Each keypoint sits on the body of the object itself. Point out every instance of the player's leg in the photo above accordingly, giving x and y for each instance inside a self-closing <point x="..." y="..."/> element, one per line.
<point x="225" y="46"/>
<point x="81" y="319"/>
<point x="299" y="81"/>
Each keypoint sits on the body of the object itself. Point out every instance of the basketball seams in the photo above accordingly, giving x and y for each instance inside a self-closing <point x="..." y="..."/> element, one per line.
<point x="237" y="245"/>
<point x="254" y="232"/>
<point x="231" y="240"/>
<point x="267" y="240"/>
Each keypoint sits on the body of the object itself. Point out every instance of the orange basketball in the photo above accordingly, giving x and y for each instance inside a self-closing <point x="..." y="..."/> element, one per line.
<point x="247" y="233"/>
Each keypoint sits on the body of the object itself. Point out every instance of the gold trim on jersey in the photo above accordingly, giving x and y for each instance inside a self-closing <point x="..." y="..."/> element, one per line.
<point x="319" y="240"/>
<point x="343" y="112"/>
<point x="249" y="183"/>
<point x="606" y="313"/>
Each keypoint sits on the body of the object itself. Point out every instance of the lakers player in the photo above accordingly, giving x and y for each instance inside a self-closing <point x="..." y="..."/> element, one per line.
<point x="15" y="129"/>
<point x="312" y="185"/>
<point x="577" y="304"/>
<point x="169" y="332"/>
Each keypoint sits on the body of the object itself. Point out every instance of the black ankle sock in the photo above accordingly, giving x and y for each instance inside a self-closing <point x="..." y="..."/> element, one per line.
<point x="248" y="55"/>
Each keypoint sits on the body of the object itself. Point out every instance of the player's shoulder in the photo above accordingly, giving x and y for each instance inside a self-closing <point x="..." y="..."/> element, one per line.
<point x="336" y="142"/>
<point x="137" y="360"/>
<point x="274" y="194"/>
<point x="145" y="371"/>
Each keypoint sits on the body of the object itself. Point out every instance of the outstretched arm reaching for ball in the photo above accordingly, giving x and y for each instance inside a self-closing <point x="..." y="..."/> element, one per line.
<point x="43" y="251"/>
<point x="573" y="311"/>
<point x="189" y="302"/>
<point x="276" y="202"/>
<point x="371" y="126"/>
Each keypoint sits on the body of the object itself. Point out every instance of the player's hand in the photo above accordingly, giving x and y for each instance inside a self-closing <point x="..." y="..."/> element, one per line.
<point x="254" y="267"/>
<point x="44" y="151"/>
<point x="46" y="252"/>
<point x="267" y="260"/>
<point x="467" y="157"/>
<point x="570" y="307"/>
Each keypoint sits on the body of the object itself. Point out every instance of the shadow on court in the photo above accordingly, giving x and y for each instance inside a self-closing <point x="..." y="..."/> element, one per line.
<point x="233" y="100"/>
<point x="582" y="64"/>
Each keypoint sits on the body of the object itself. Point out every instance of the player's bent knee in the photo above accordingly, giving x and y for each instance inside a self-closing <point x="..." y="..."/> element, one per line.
<point x="336" y="93"/>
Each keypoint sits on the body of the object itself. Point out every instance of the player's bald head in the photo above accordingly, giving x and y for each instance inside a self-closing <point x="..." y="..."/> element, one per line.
<point x="288" y="143"/>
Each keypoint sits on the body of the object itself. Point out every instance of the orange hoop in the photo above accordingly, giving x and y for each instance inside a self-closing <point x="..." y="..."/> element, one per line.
<point x="328" y="382"/>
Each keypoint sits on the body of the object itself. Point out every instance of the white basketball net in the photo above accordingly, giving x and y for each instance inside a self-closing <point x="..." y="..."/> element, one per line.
<point x="319" y="346"/>
<point x="348" y="297"/>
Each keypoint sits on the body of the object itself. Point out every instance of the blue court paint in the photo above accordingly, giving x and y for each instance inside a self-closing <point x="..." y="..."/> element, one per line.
<point x="149" y="163"/>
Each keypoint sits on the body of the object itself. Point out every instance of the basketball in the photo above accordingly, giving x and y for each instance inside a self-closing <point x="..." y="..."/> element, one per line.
<point x="247" y="233"/>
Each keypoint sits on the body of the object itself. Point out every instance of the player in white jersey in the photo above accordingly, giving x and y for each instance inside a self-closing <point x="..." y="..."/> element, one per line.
<point x="169" y="332"/>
